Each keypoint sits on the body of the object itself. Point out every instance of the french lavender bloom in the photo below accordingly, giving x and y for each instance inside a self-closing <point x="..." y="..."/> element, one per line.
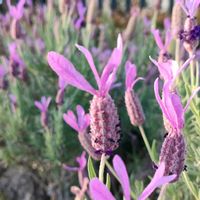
<point x="43" y="107"/>
<point x="80" y="124"/>
<point x="83" y="181"/>
<point x="173" y="148"/>
<point x="133" y="105"/>
<point x="99" y="191"/>
<point x="163" y="47"/>
<point x="104" y="119"/>
<point x="158" y="180"/>
<point x="17" y="65"/>
<point x="61" y="91"/>
<point x="170" y="70"/>
<point x="191" y="33"/>
<point x="16" y="12"/>
<point x="81" y="13"/>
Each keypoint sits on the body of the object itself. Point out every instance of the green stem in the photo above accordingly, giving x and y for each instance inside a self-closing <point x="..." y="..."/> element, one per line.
<point x="102" y="167"/>
<point x="162" y="192"/>
<point x="192" y="71"/>
<point x="146" y="142"/>
<point x="115" y="175"/>
<point x="190" y="185"/>
<point x="197" y="74"/>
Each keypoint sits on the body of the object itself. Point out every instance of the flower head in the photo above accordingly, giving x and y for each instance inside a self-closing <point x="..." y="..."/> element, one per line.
<point x="81" y="160"/>
<point x="43" y="104"/>
<point x="18" y="10"/>
<point x="65" y="69"/>
<point x="80" y="123"/>
<point x="158" y="180"/>
<point x="190" y="6"/>
<point x="171" y="105"/>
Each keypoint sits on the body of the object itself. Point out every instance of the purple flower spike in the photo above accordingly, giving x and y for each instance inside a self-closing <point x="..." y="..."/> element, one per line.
<point x="81" y="160"/>
<point x="43" y="104"/>
<point x="190" y="6"/>
<point x="99" y="191"/>
<point x="16" y="11"/>
<point x="121" y="172"/>
<point x="43" y="107"/>
<point x="81" y="12"/>
<point x="80" y="123"/>
<point x="158" y="180"/>
<point x="131" y="73"/>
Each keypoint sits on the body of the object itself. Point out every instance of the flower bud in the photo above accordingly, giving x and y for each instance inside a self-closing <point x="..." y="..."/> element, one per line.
<point x="134" y="108"/>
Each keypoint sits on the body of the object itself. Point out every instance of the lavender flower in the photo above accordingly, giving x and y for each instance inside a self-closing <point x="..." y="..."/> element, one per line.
<point x="163" y="47"/>
<point x="100" y="192"/>
<point x="158" y="180"/>
<point x="17" y="65"/>
<point x="132" y="102"/>
<point x="60" y="94"/>
<point x="81" y="12"/>
<point x="104" y="118"/>
<point x="83" y="181"/>
<point x="43" y="107"/>
<point x="80" y="124"/>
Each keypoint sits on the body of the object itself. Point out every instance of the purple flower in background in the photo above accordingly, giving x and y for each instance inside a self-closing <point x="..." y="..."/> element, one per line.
<point x="79" y="124"/>
<point x="100" y="192"/>
<point x="190" y="6"/>
<point x="158" y="180"/>
<point x="13" y="102"/>
<point x="81" y="12"/>
<point x="61" y="91"/>
<point x="3" y="82"/>
<point x="170" y="70"/>
<point x="81" y="160"/>
<point x="43" y="107"/>
<point x="17" y="65"/>
<point x="16" y="11"/>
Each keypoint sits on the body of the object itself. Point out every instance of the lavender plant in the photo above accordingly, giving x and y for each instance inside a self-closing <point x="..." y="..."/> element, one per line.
<point x="33" y="133"/>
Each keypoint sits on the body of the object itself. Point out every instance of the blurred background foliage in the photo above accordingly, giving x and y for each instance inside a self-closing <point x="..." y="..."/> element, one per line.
<point x="23" y="141"/>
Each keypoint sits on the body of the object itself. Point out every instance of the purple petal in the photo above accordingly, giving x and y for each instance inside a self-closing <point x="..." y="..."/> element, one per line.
<point x="190" y="99"/>
<point x="65" y="69"/>
<point x="81" y="115"/>
<point x="158" y="39"/>
<point x="39" y="106"/>
<point x="70" y="121"/>
<point x="89" y="58"/>
<point x="113" y="63"/>
<point x="131" y="73"/>
<point x="121" y="172"/>
<point x="82" y="161"/>
<point x="99" y="191"/>
<point x="68" y="168"/>
<point x="157" y="180"/>
<point x="62" y="83"/>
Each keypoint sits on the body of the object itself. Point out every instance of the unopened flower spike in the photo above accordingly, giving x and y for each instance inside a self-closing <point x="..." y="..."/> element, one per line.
<point x="99" y="191"/>
<point x="43" y="107"/>
<point x="104" y="119"/>
<point x="132" y="101"/>
<point x="158" y="180"/>
<point x="80" y="124"/>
